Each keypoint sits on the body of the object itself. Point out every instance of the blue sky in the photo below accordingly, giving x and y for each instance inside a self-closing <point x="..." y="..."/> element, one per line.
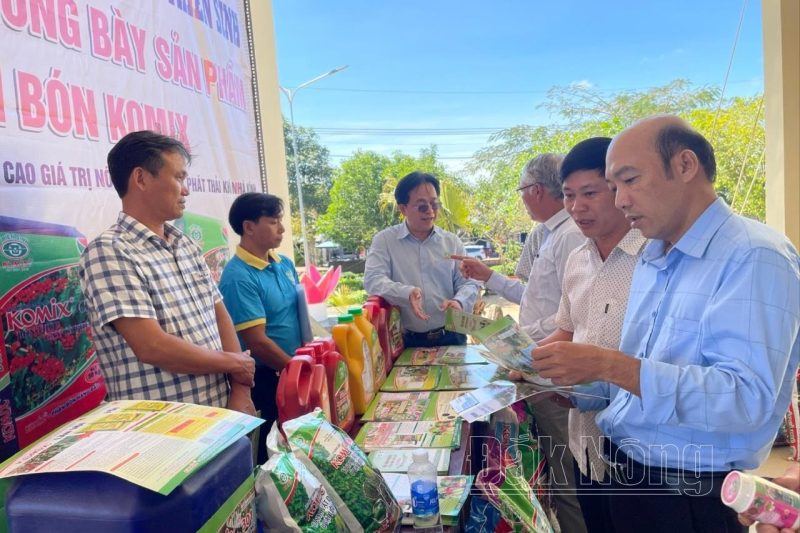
<point x="475" y="65"/>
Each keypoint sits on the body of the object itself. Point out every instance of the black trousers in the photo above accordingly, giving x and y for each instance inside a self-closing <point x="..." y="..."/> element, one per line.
<point x="437" y="338"/>
<point x="672" y="514"/>
<point x="263" y="394"/>
<point x="667" y="500"/>
<point x="593" y="497"/>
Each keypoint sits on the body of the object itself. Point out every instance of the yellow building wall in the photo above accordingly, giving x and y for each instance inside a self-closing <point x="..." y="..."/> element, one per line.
<point x="781" y="23"/>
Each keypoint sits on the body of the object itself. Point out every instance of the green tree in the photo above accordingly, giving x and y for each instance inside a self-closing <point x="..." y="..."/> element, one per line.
<point x="496" y="210"/>
<point x="737" y="134"/>
<point x="314" y="163"/>
<point x="353" y="216"/>
<point x="362" y="196"/>
<point x="734" y="126"/>
<point x="313" y="160"/>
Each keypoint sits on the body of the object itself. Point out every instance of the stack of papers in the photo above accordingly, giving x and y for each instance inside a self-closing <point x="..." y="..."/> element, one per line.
<point x="412" y="378"/>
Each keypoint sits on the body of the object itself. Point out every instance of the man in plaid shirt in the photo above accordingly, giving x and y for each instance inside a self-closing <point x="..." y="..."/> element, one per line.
<point x="161" y="330"/>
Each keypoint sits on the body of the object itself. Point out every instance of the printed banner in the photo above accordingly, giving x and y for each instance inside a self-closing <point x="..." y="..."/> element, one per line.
<point x="75" y="77"/>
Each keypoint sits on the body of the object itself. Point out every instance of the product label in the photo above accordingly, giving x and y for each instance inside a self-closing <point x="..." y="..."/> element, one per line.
<point x="424" y="499"/>
<point x="342" y="393"/>
<point x="47" y="363"/>
<point x="772" y="505"/>
<point x="366" y="374"/>
<point x="395" y="333"/>
<point x="380" y="361"/>
<point x="326" y="403"/>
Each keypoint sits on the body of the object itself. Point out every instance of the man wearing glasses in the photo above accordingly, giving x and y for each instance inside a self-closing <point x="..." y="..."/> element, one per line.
<point x="556" y="236"/>
<point x="409" y="265"/>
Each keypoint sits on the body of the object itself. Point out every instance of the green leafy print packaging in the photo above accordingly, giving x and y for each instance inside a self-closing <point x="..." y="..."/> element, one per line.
<point x="356" y="488"/>
<point x="290" y="498"/>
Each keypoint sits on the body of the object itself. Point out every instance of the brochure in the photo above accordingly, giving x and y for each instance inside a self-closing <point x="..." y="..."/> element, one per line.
<point x="401" y="406"/>
<point x="412" y="406"/>
<point x="453" y="492"/>
<point x="461" y="322"/>
<point x="475" y="404"/>
<point x="441" y="407"/>
<point x="460" y="377"/>
<point x="399" y="460"/>
<point x="424" y="434"/>
<point x="443" y="355"/>
<point x="511" y="348"/>
<point x="412" y="378"/>
<point x="153" y="444"/>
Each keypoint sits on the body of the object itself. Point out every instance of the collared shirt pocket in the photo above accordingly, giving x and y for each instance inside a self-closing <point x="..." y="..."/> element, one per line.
<point x="682" y="341"/>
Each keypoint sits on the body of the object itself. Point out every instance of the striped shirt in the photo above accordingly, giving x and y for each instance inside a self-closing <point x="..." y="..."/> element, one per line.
<point x="130" y="272"/>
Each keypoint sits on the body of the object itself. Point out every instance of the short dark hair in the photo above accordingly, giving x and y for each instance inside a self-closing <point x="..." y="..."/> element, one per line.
<point x="410" y="182"/>
<point x="589" y="154"/>
<point x="252" y="206"/>
<point x="675" y="137"/>
<point x="140" y="149"/>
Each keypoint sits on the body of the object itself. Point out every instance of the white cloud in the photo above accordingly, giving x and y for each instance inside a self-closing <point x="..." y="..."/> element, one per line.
<point x="582" y="84"/>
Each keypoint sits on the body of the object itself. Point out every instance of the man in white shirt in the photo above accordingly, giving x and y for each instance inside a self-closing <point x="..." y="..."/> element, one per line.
<point x="597" y="281"/>
<point x="540" y="190"/>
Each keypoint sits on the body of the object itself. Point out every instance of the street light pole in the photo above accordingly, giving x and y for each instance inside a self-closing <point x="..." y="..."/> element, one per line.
<point x="290" y="93"/>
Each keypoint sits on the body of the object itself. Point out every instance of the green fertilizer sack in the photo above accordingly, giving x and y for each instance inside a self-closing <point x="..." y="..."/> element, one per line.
<point x="357" y="489"/>
<point x="290" y="498"/>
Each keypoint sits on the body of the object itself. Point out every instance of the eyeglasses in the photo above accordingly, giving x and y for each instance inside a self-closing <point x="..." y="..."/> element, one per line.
<point x="424" y="207"/>
<point x="521" y="190"/>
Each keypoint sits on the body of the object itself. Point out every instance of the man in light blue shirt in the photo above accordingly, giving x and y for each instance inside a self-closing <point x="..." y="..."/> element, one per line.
<point x="409" y="265"/>
<point x="709" y="344"/>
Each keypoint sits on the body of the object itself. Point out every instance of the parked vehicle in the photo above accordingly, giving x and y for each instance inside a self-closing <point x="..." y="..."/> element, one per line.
<point x="475" y="250"/>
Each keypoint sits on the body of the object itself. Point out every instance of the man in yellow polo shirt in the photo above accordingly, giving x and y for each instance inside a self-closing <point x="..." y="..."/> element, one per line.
<point x="258" y="289"/>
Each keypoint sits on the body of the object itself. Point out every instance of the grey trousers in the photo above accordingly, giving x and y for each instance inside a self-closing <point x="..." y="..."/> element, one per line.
<point x="552" y="419"/>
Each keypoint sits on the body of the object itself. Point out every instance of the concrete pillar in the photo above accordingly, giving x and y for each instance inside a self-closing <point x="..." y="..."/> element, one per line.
<point x="781" y="23"/>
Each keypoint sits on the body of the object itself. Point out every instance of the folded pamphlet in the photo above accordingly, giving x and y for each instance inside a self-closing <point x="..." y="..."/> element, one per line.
<point x="510" y="347"/>
<point x="461" y="322"/>
<point x="398" y="461"/>
<point x="443" y="355"/>
<point x="412" y="378"/>
<point x="425" y="434"/>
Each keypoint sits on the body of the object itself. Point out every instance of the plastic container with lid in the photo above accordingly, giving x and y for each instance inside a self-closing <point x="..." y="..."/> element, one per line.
<point x="302" y="387"/>
<point x="342" y="412"/>
<point x="376" y="352"/>
<point x="377" y="317"/>
<point x="393" y="326"/>
<point x="355" y="350"/>
<point x="761" y="500"/>
<point x="424" y="491"/>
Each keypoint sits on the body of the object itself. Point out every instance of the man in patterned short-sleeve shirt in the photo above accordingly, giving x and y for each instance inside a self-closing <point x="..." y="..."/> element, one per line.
<point x="161" y="330"/>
